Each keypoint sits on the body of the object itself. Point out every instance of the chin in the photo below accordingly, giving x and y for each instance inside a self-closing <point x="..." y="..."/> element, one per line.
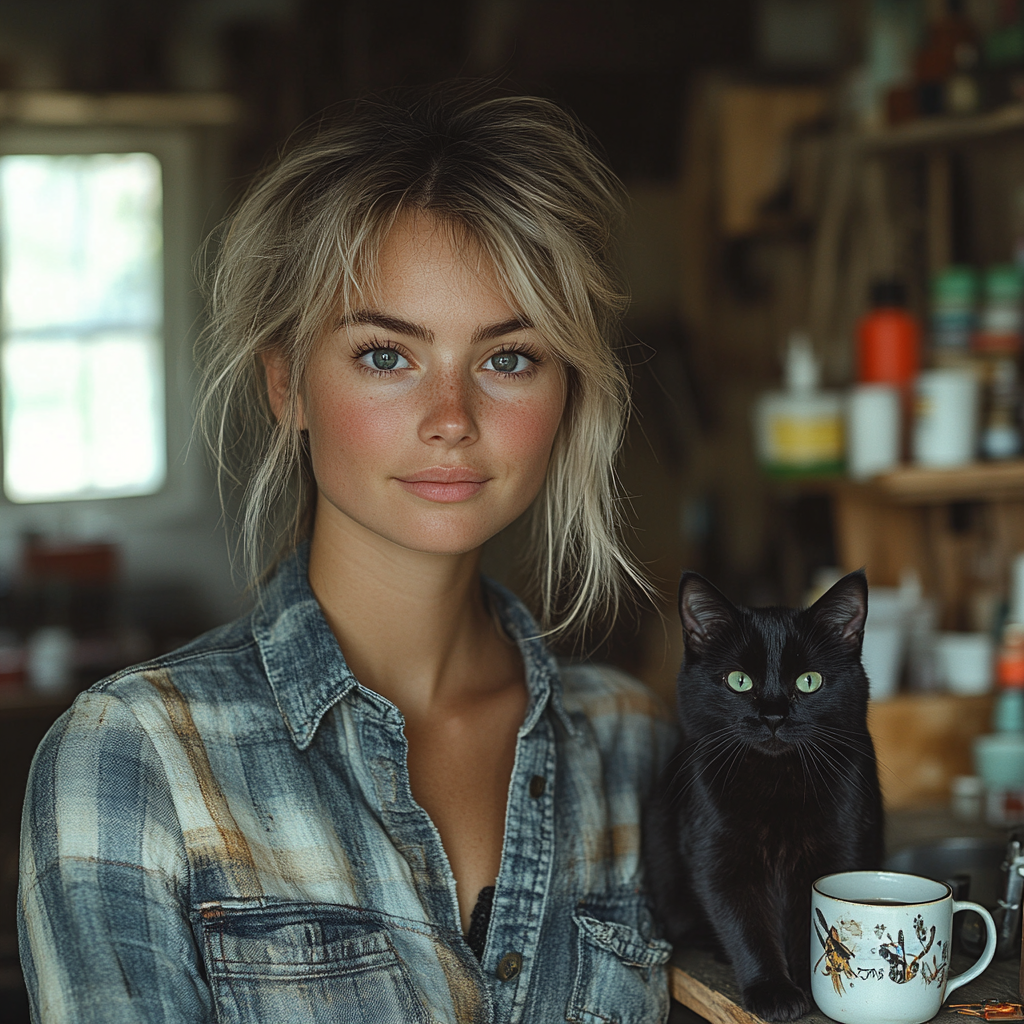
<point x="430" y="539"/>
<point x="773" y="746"/>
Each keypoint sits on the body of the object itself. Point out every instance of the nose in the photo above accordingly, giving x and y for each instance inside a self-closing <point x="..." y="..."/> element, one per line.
<point x="448" y="418"/>
<point x="773" y="713"/>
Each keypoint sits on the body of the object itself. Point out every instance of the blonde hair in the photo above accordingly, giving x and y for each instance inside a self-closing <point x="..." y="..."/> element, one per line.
<point x="514" y="174"/>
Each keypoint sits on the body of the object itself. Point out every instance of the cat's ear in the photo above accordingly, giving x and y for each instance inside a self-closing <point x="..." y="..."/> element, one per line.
<point x="705" y="611"/>
<point x="843" y="608"/>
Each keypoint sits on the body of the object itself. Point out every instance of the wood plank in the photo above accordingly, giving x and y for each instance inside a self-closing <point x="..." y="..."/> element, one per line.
<point x="930" y="132"/>
<point x="922" y="741"/>
<point x="70" y="109"/>
<point x="706" y="986"/>
<point x="711" y="1005"/>
<point x="979" y="481"/>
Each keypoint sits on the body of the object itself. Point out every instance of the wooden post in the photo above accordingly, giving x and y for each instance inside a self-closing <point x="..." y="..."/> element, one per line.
<point x="940" y="216"/>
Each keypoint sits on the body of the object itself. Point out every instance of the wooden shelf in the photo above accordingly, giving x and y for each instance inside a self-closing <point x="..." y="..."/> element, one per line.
<point x="931" y="132"/>
<point x="918" y="485"/>
<point x="19" y="702"/>
<point x="66" y="109"/>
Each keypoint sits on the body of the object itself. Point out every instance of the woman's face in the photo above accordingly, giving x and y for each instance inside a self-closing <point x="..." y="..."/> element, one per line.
<point x="432" y="409"/>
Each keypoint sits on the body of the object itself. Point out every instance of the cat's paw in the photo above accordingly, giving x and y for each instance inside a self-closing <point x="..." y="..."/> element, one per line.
<point x="777" y="999"/>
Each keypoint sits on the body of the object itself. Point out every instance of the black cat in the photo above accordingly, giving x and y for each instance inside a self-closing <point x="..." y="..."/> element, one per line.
<point x="774" y="783"/>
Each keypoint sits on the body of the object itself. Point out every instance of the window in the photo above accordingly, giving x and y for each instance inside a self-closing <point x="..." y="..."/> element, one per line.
<point x="99" y="224"/>
<point x="81" y="343"/>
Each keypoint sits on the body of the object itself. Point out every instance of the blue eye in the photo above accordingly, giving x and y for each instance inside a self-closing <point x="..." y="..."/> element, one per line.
<point x="384" y="359"/>
<point x="509" y="362"/>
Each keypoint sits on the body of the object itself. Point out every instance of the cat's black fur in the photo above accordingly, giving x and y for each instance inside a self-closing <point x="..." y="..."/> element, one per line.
<point x="768" y="789"/>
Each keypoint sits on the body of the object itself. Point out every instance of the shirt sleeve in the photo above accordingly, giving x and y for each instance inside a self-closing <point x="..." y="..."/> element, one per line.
<point x="103" y="903"/>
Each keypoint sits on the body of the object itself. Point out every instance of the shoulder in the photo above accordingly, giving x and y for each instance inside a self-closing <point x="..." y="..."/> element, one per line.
<point x="164" y="697"/>
<point x="628" y="720"/>
<point x="222" y="666"/>
<point x="621" y="721"/>
<point x="600" y="691"/>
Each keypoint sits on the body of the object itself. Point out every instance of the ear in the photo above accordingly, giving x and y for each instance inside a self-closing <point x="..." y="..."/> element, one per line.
<point x="705" y="611"/>
<point x="278" y="373"/>
<point x="843" y="609"/>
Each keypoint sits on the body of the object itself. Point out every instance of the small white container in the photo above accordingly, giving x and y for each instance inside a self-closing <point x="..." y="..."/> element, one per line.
<point x="50" y="659"/>
<point x="800" y="430"/>
<point x="966" y="662"/>
<point x="967" y="797"/>
<point x="999" y="760"/>
<point x="885" y="640"/>
<point x="945" y="417"/>
<point x="872" y="430"/>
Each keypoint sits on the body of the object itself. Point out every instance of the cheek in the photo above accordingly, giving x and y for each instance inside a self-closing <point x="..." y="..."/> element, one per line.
<point x="350" y="429"/>
<point x="527" y="430"/>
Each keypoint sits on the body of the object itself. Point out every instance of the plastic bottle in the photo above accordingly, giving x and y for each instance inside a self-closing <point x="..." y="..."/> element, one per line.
<point x="888" y="338"/>
<point x="799" y="431"/>
<point x="1008" y="715"/>
<point x="1002" y="316"/>
<point x="953" y="314"/>
<point x="1000" y="436"/>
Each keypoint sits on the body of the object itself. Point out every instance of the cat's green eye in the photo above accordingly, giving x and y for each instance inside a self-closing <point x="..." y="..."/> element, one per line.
<point x="808" y="682"/>
<point x="740" y="682"/>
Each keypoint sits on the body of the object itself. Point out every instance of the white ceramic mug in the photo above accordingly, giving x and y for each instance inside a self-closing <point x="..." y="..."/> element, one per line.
<point x="880" y="946"/>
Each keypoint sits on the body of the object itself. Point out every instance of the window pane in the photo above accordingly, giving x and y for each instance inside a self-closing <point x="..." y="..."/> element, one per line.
<point x="82" y="325"/>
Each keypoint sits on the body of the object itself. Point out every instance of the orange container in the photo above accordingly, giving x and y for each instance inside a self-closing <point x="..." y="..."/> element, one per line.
<point x="888" y="339"/>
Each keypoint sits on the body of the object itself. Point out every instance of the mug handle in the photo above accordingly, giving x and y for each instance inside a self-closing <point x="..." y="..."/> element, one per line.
<point x="986" y="954"/>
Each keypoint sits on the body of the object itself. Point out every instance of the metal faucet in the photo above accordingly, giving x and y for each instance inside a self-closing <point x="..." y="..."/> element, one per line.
<point x="1009" y="928"/>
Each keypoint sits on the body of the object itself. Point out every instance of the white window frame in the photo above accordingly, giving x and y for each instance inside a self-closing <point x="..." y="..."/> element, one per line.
<point x="182" y="492"/>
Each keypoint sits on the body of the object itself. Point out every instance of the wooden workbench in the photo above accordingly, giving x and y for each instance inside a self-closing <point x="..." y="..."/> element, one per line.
<point x="707" y="987"/>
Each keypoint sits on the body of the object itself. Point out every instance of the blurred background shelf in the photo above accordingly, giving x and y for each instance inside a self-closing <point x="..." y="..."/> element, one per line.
<point x="981" y="481"/>
<point x="946" y="526"/>
<point x="924" y="740"/>
<point x="944" y="131"/>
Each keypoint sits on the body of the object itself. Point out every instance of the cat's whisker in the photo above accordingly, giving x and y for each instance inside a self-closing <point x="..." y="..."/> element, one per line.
<point x="723" y="748"/>
<point x="806" y="765"/>
<point x="724" y="762"/>
<point x="736" y="761"/>
<point x="815" y="762"/>
<point x="840" y="770"/>
<point x="724" y="739"/>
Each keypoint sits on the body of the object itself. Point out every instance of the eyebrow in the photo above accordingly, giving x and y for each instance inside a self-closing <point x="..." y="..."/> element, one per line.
<point x="396" y="325"/>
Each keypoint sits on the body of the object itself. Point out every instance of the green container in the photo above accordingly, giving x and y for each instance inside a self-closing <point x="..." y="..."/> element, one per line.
<point x="1004" y="283"/>
<point x="955" y="286"/>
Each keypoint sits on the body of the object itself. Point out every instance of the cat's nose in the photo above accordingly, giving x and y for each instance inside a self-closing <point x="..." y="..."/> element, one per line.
<point x="773" y="721"/>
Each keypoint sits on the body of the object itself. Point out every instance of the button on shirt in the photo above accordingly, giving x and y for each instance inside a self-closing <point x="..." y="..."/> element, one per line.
<point x="228" y="834"/>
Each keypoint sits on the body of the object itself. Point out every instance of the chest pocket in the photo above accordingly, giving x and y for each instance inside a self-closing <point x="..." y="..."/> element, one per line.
<point x="620" y="974"/>
<point x="305" y="962"/>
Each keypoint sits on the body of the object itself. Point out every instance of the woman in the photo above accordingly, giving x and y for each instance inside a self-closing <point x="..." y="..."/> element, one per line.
<point x="379" y="797"/>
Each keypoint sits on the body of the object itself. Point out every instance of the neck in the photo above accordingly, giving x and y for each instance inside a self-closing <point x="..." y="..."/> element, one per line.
<point x="411" y="624"/>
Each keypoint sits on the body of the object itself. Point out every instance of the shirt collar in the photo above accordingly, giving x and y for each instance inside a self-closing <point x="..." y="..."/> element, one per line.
<point x="308" y="673"/>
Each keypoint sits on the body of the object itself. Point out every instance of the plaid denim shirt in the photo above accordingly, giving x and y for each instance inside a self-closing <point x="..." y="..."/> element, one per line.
<point x="228" y="834"/>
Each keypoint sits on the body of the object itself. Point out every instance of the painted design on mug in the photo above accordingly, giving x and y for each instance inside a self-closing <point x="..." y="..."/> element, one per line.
<point x="839" y="946"/>
<point x="903" y="966"/>
<point x="837" y="955"/>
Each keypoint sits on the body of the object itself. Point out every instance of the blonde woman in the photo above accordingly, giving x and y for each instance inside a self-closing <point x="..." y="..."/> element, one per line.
<point x="379" y="797"/>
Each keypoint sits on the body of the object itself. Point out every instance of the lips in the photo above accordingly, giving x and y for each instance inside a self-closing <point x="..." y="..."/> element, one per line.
<point x="444" y="483"/>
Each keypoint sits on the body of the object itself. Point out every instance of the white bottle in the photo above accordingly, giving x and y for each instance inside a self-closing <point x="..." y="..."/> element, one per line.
<point x="799" y="431"/>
